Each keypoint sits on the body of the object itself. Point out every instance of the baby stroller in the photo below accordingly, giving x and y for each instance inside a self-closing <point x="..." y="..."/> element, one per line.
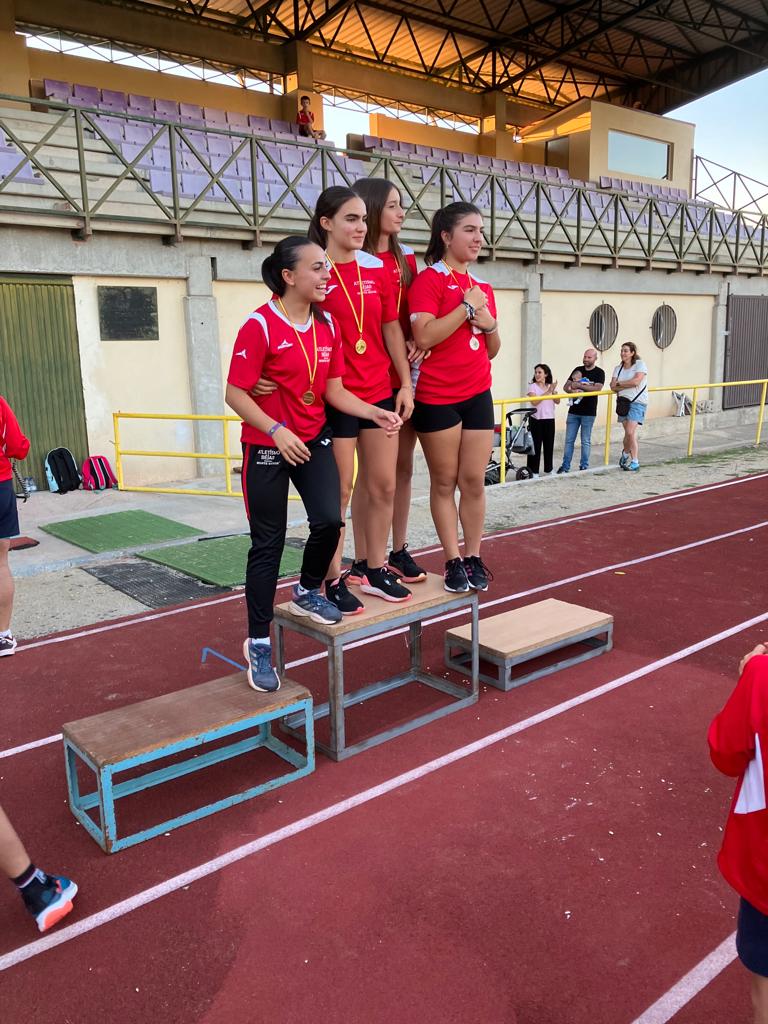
<point x="517" y="441"/>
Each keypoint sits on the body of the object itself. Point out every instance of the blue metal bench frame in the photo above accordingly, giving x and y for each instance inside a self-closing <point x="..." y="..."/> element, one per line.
<point x="108" y="790"/>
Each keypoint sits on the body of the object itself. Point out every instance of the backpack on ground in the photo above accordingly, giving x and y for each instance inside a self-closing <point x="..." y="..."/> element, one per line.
<point x="61" y="471"/>
<point x="97" y="474"/>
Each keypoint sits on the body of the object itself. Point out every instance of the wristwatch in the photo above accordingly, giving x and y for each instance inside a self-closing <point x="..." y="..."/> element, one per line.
<point x="470" y="309"/>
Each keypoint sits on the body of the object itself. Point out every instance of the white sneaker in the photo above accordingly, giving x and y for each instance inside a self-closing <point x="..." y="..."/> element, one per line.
<point x="7" y="645"/>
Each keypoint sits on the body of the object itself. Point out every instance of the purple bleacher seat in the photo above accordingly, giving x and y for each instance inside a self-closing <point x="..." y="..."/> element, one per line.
<point x="425" y="151"/>
<point x="484" y="161"/>
<point x="237" y="122"/>
<point x="355" y="168"/>
<point x="408" y="148"/>
<point x="466" y="183"/>
<point x="213" y="115"/>
<point x="198" y="139"/>
<point x="113" y="127"/>
<point x="498" y="164"/>
<point x="9" y="158"/>
<point x="512" y="167"/>
<point x="138" y="131"/>
<point x="143" y="105"/>
<point x="191" y="113"/>
<point x="243" y="164"/>
<point x="315" y="176"/>
<point x="266" y="171"/>
<point x="131" y="151"/>
<point x="471" y="160"/>
<point x="538" y="171"/>
<point x="235" y="186"/>
<point x="220" y="144"/>
<point x="371" y="142"/>
<point x="112" y="100"/>
<point x="167" y="109"/>
<point x="278" y="125"/>
<point x="87" y="93"/>
<point x="290" y="155"/>
<point x="308" y="193"/>
<point x="196" y="184"/>
<point x="160" y="181"/>
<point x="56" y="90"/>
<point x="562" y="174"/>
<point x="550" y="173"/>
<point x="605" y="181"/>
<point x="258" y="124"/>
<point x="526" y="168"/>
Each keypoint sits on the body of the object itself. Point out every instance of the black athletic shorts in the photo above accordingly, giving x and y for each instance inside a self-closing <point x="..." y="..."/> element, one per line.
<point x="474" y="413"/>
<point x="9" y="516"/>
<point x="752" y="939"/>
<point x="344" y="425"/>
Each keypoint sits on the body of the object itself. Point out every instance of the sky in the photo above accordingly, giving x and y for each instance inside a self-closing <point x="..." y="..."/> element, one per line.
<point x="729" y="125"/>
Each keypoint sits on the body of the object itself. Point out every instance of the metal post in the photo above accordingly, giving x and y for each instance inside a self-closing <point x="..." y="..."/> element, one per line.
<point x="336" y="698"/>
<point x="414" y="641"/>
<point x="118" y="456"/>
<point x="227" y="471"/>
<point x="503" y="442"/>
<point x="693" y="423"/>
<point x="762" y="412"/>
<point x="608" y="414"/>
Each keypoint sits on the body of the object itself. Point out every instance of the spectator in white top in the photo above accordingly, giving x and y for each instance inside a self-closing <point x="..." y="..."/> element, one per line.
<point x="629" y="382"/>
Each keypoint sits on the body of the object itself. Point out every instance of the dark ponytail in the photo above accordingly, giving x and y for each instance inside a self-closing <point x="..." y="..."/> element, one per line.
<point x="445" y="220"/>
<point x="284" y="256"/>
<point x="329" y="202"/>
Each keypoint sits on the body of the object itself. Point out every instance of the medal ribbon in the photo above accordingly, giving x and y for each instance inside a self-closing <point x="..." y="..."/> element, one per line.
<point x="455" y="279"/>
<point x="358" y="320"/>
<point x="310" y="370"/>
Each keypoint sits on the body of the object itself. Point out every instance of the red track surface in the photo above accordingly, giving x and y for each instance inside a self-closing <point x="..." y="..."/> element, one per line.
<point x="565" y="874"/>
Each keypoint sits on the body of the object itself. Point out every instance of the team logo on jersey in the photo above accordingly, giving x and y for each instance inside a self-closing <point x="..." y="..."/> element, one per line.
<point x="453" y="287"/>
<point x="243" y="352"/>
<point x="329" y="288"/>
<point x="284" y="344"/>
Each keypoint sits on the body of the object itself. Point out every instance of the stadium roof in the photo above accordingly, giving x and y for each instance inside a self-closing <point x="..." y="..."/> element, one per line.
<point x="655" y="53"/>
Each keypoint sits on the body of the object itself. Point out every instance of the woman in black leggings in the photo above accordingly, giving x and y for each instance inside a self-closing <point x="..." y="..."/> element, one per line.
<point x="543" y="420"/>
<point x="286" y="438"/>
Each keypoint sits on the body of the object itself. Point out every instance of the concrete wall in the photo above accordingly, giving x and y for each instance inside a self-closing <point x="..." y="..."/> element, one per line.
<point x="137" y="376"/>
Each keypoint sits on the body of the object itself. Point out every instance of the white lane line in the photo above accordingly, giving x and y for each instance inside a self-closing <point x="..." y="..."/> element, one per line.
<point x="691" y="984"/>
<point x="141" y="899"/>
<point x="424" y="551"/>
<point x="320" y="655"/>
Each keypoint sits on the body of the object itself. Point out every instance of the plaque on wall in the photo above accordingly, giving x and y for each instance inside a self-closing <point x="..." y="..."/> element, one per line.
<point x="127" y="313"/>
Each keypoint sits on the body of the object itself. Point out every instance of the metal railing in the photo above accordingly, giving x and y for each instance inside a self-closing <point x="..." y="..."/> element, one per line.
<point x="526" y="218"/>
<point x="714" y="183"/>
<point x="504" y="404"/>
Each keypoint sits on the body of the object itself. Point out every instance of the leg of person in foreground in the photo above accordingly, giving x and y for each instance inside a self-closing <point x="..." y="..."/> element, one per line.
<point x="7" y="641"/>
<point x="400" y="560"/>
<point x="336" y="589"/>
<point x="474" y="454"/>
<point x="47" y="897"/>
<point x="441" y="450"/>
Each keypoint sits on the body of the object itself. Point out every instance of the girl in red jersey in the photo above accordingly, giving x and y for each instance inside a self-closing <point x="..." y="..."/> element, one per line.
<point x="359" y="297"/>
<point x="13" y="445"/>
<point x="286" y="438"/>
<point x="453" y="315"/>
<point x="385" y="220"/>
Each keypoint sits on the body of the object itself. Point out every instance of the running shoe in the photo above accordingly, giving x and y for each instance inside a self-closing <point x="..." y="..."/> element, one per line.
<point x="317" y="607"/>
<point x="478" y="573"/>
<point x="339" y="594"/>
<point x="383" y="583"/>
<point x="261" y="672"/>
<point x="356" y="572"/>
<point x="52" y="902"/>
<point x="455" y="578"/>
<point x="633" y="466"/>
<point x="402" y="564"/>
<point x="624" y="460"/>
<point x="7" y="645"/>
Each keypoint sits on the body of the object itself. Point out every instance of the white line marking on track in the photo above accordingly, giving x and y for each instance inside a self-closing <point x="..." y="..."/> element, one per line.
<point x="425" y="551"/>
<point x="141" y="899"/>
<point x="691" y="984"/>
<point x="483" y="604"/>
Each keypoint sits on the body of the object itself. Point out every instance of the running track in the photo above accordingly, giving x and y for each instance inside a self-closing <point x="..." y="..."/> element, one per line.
<point x="546" y="856"/>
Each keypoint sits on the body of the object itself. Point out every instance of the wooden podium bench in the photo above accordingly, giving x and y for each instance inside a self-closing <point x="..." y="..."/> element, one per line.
<point x="133" y="737"/>
<point x="429" y="597"/>
<point x="520" y="635"/>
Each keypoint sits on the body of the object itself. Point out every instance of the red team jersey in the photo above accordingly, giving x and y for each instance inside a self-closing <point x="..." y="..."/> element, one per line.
<point x="400" y="293"/>
<point x="367" y="375"/>
<point x="13" y="443"/>
<point x="267" y="346"/>
<point x="454" y="371"/>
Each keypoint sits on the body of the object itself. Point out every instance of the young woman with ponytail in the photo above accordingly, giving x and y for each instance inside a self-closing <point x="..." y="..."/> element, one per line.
<point x="359" y="297"/>
<point x="385" y="220"/>
<point x="453" y="314"/>
<point x="286" y="438"/>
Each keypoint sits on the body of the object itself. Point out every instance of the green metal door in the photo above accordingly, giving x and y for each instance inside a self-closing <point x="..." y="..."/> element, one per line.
<point x="40" y="367"/>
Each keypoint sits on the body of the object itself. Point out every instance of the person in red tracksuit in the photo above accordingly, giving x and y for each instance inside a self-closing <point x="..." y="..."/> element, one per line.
<point x="13" y="445"/>
<point x="737" y="736"/>
<point x="383" y="206"/>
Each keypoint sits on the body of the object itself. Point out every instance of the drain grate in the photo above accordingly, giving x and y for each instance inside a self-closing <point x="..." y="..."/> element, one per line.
<point x="154" y="585"/>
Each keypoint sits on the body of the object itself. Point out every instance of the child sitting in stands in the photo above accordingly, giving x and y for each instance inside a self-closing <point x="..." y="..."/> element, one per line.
<point x="305" y="119"/>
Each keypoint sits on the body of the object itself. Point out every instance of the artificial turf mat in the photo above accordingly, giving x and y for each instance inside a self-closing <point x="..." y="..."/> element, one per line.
<point x="220" y="561"/>
<point x="116" y="531"/>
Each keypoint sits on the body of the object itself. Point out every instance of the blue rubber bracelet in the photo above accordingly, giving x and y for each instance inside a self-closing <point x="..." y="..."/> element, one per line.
<point x="274" y="428"/>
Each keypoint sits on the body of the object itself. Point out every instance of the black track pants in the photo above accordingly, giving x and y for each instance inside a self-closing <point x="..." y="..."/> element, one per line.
<point x="543" y="434"/>
<point x="266" y="476"/>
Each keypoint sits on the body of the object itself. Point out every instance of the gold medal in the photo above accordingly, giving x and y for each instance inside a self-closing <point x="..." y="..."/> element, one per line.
<point x="360" y="346"/>
<point x="474" y="343"/>
<point x="308" y="397"/>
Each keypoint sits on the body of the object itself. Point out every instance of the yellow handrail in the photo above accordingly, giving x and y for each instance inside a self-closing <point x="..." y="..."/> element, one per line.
<point x="226" y="456"/>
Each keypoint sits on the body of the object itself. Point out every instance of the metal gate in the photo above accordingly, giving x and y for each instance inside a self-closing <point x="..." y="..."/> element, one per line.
<point x="746" y="348"/>
<point x="40" y="366"/>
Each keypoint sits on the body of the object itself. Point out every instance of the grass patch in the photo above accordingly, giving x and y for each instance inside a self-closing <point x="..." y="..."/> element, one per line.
<point x="115" y="531"/>
<point x="220" y="561"/>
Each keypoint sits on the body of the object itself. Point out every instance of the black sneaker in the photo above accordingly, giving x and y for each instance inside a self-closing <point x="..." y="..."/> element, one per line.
<point x="7" y="645"/>
<point x="478" y="573"/>
<point x="455" y="579"/>
<point x="385" y="584"/>
<point x="356" y="572"/>
<point x="401" y="564"/>
<point x="338" y="593"/>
